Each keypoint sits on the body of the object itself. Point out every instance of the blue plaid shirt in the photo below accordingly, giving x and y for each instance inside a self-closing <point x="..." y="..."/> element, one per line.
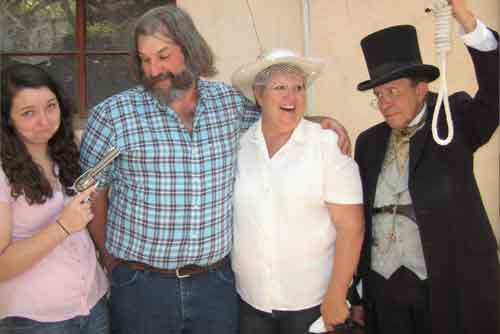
<point x="171" y="191"/>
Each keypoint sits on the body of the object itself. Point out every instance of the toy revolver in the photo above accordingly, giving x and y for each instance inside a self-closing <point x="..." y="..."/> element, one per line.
<point x="88" y="179"/>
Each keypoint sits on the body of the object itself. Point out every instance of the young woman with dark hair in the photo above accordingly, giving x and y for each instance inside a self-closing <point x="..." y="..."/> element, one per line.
<point x="50" y="281"/>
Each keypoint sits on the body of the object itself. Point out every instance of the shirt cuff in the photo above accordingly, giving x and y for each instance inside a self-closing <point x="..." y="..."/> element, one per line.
<point x="481" y="38"/>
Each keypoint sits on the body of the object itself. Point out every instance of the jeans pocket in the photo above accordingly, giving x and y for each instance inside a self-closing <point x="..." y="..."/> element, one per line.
<point x="122" y="276"/>
<point x="226" y="275"/>
<point x="17" y="325"/>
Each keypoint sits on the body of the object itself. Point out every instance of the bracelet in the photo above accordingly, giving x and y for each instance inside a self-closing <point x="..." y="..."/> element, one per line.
<point x="58" y="221"/>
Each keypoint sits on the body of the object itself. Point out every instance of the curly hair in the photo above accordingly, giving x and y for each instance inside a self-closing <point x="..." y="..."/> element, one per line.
<point x="24" y="175"/>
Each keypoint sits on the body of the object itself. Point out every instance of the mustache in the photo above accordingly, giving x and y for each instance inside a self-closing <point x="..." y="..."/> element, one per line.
<point x="181" y="81"/>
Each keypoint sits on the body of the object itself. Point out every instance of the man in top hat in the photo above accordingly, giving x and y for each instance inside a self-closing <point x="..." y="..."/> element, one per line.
<point x="429" y="262"/>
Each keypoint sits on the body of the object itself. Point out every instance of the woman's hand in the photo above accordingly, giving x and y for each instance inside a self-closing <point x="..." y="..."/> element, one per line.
<point x="334" y="311"/>
<point x="77" y="213"/>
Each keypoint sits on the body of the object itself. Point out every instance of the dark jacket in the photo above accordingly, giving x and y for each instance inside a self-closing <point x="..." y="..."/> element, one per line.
<point x="459" y="246"/>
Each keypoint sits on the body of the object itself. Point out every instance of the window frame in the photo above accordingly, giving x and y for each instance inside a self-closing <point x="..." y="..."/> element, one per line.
<point x="80" y="55"/>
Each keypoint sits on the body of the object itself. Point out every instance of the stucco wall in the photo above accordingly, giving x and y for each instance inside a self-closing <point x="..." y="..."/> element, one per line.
<point x="337" y="26"/>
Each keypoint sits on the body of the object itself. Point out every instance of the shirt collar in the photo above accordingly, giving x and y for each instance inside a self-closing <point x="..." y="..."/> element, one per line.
<point x="419" y="116"/>
<point x="298" y="135"/>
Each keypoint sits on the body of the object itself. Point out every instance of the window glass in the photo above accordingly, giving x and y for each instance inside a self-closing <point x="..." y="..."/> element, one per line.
<point x="106" y="75"/>
<point x="87" y="55"/>
<point x="109" y="23"/>
<point x="43" y="25"/>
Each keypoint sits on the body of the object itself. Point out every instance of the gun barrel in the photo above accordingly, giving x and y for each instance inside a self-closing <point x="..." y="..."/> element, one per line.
<point x="88" y="179"/>
<point x="105" y="161"/>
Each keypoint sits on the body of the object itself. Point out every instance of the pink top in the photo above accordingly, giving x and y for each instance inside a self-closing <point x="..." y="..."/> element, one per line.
<point x="66" y="283"/>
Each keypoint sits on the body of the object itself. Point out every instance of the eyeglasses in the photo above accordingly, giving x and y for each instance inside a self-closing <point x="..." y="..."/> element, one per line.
<point x="283" y="90"/>
<point x="389" y="95"/>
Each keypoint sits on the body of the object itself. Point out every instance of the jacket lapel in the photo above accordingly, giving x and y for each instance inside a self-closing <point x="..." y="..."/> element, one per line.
<point x="377" y="152"/>
<point x="418" y="141"/>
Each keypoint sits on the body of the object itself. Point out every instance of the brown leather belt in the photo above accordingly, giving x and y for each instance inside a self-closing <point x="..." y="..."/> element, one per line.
<point x="403" y="210"/>
<point x="182" y="272"/>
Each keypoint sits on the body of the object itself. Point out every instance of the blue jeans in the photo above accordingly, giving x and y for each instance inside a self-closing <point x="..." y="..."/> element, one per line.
<point x="145" y="302"/>
<point x="97" y="322"/>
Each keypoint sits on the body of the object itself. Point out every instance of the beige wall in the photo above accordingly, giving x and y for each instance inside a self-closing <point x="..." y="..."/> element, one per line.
<point x="336" y="29"/>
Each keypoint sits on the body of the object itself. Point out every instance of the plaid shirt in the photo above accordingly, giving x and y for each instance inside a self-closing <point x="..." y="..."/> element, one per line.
<point x="171" y="191"/>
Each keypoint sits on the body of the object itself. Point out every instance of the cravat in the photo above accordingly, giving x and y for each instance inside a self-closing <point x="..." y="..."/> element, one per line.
<point x="399" y="144"/>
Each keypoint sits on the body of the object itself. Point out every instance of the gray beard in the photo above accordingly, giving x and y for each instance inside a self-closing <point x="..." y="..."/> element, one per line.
<point x="180" y="84"/>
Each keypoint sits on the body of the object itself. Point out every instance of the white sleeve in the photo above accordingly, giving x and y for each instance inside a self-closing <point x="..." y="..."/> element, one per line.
<point x="481" y="38"/>
<point x="342" y="180"/>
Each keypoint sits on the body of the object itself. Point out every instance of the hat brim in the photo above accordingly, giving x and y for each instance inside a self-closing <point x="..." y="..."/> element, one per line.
<point x="427" y="72"/>
<point x="244" y="76"/>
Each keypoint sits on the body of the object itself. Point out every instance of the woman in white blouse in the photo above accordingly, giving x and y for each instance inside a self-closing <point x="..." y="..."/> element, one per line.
<point x="298" y="206"/>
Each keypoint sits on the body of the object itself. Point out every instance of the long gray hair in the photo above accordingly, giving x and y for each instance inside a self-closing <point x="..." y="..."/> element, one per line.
<point x="174" y="23"/>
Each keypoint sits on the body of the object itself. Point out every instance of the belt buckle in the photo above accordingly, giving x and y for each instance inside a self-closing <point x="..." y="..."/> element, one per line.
<point x="179" y="275"/>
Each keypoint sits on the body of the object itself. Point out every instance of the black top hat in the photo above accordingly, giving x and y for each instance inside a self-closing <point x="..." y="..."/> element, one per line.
<point x="393" y="53"/>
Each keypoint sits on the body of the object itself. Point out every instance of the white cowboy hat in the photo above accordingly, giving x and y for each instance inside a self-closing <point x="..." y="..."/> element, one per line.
<point x="244" y="76"/>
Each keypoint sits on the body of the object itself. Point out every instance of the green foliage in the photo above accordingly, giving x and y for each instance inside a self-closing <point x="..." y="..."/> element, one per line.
<point x="102" y="27"/>
<point x="48" y="9"/>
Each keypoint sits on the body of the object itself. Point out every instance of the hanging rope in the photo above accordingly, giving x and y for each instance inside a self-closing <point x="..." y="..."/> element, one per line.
<point x="443" y="16"/>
